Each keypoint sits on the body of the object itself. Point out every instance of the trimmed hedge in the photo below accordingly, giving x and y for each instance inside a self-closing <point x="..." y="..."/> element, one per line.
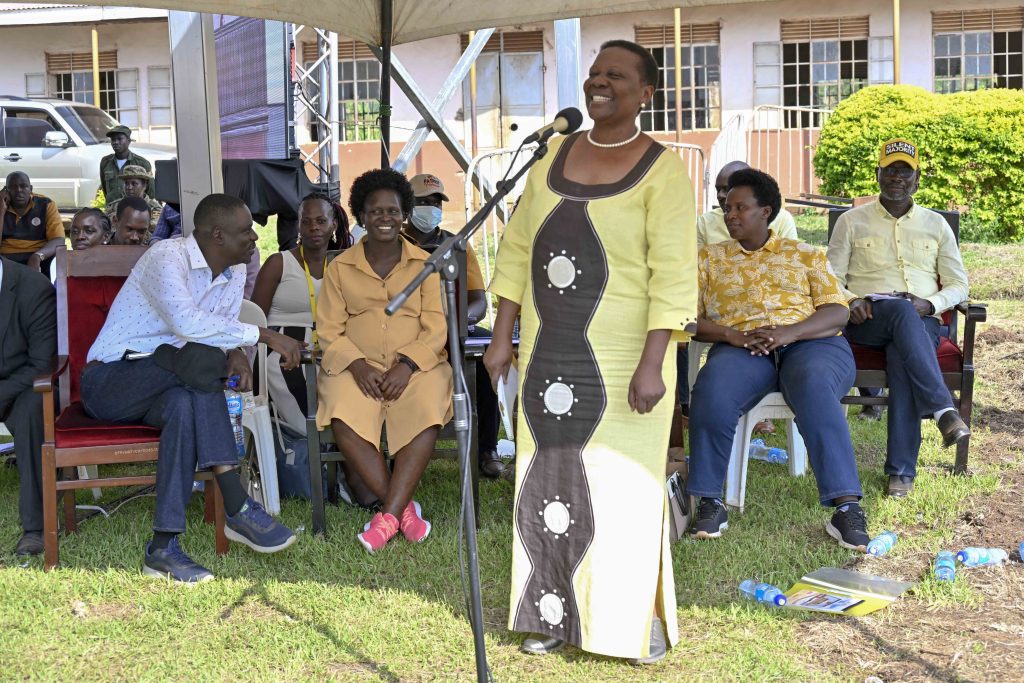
<point x="971" y="146"/>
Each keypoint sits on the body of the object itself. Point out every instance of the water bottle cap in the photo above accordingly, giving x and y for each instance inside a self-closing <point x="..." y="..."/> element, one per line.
<point x="233" y="381"/>
<point x="780" y="600"/>
<point x="962" y="555"/>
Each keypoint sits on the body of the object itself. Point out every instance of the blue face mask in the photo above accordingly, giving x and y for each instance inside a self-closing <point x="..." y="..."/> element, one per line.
<point x="425" y="218"/>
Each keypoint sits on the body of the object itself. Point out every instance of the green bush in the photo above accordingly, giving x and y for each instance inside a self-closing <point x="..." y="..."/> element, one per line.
<point x="971" y="146"/>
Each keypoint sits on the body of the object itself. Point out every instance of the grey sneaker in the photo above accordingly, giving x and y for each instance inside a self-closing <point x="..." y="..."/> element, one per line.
<point x="258" y="530"/>
<point x="658" y="648"/>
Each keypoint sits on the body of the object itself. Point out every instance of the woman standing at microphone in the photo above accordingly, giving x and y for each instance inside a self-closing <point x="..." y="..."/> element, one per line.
<point x="600" y="263"/>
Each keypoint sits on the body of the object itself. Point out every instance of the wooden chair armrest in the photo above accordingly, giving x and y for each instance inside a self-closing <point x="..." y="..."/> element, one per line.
<point x="973" y="312"/>
<point x="44" y="383"/>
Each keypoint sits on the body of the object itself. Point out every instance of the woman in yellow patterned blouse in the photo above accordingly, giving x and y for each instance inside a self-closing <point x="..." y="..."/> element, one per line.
<point x="775" y="313"/>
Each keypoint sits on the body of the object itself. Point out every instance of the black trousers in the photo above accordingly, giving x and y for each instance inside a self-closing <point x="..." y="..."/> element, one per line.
<point x="24" y="420"/>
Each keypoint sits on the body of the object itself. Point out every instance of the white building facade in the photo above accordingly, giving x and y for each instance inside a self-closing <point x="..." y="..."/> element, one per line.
<point x="790" y="53"/>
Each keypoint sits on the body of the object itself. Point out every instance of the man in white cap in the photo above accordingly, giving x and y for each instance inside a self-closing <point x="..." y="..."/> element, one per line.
<point x="901" y="266"/>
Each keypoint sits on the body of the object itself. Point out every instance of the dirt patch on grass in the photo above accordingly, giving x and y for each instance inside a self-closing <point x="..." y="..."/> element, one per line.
<point x="104" y="610"/>
<point x="996" y="336"/>
<point x="915" y="641"/>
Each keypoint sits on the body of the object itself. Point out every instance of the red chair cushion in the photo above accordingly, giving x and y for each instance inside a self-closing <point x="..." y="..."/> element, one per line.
<point x="89" y="301"/>
<point x="75" y="429"/>
<point x="951" y="359"/>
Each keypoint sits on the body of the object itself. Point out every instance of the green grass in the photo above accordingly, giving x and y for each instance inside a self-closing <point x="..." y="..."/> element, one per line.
<point x="324" y="610"/>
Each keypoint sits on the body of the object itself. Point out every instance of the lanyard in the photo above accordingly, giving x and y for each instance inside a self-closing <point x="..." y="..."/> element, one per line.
<point x="312" y="294"/>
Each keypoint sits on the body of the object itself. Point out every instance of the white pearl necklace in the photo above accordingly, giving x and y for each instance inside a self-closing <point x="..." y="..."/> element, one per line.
<point x="612" y="145"/>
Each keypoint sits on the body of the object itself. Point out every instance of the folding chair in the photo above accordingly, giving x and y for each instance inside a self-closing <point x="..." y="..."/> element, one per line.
<point x="772" y="406"/>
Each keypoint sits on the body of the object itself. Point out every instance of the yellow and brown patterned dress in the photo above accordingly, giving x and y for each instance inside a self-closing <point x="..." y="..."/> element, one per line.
<point x="594" y="268"/>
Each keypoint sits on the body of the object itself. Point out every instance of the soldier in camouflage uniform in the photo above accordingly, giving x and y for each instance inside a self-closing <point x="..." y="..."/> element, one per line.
<point x="136" y="181"/>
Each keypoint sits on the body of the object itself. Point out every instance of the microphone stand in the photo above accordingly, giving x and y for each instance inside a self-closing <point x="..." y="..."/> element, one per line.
<point x="443" y="261"/>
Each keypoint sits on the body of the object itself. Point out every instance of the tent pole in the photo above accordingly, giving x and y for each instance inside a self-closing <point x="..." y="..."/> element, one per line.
<point x="896" y="42"/>
<point x="96" y="67"/>
<point x="677" y="41"/>
<point x="386" y="29"/>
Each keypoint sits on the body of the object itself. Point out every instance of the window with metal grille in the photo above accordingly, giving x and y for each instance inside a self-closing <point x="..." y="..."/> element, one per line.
<point x="358" y="90"/>
<point x="70" y="77"/>
<point x="976" y="49"/>
<point x="817" y="64"/>
<point x="700" y="77"/>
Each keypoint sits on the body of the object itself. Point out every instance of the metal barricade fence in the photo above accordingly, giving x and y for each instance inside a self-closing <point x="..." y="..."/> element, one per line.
<point x="697" y="168"/>
<point x="781" y="140"/>
<point x="483" y="172"/>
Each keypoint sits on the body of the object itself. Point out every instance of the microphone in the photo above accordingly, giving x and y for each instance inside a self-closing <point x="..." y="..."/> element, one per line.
<point x="566" y="121"/>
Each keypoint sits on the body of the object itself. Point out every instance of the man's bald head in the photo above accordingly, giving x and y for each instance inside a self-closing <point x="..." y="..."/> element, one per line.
<point x="19" y="189"/>
<point x="17" y="176"/>
<point x="722" y="181"/>
<point x="215" y="210"/>
<point x="223" y="229"/>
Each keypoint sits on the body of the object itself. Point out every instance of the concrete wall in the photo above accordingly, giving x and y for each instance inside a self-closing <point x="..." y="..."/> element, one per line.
<point x="139" y="45"/>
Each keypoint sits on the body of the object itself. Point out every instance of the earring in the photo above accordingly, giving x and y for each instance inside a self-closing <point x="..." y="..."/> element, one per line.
<point x="643" y="105"/>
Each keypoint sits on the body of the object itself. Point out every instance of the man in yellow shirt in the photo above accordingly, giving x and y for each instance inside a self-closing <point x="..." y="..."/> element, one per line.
<point x="711" y="225"/>
<point x="901" y="266"/>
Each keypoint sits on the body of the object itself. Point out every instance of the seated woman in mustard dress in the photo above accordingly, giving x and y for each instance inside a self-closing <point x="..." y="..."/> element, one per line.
<point x="379" y="370"/>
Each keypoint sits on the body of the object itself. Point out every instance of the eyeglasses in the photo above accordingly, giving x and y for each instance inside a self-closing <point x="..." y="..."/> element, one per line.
<point x="380" y="213"/>
<point x="898" y="172"/>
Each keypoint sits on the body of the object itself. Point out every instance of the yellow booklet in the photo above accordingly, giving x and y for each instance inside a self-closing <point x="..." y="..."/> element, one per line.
<point x="842" y="591"/>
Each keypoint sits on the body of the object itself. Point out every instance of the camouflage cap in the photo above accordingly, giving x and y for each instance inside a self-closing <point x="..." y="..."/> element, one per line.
<point x="133" y="171"/>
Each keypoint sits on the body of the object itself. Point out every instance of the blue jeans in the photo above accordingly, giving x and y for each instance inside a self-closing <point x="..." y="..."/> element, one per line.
<point x="916" y="388"/>
<point x="813" y="375"/>
<point x="195" y="431"/>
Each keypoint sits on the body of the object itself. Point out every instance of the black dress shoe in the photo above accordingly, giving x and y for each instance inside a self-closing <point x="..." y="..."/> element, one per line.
<point x="873" y="413"/>
<point x="900" y="485"/>
<point x="953" y="428"/>
<point x="491" y="465"/>
<point x="30" y="543"/>
<point x="537" y="644"/>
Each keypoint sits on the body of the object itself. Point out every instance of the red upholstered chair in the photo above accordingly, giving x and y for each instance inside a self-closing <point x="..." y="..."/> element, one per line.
<point x="87" y="282"/>
<point x="956" y="360"/>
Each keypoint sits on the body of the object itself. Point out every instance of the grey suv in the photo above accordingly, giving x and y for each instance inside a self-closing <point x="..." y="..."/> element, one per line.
<point x="59" y="145"/>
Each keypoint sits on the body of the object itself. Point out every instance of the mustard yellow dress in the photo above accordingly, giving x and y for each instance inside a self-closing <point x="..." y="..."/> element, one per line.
<point x="351" y="324"/>
<point x="594" y="268"/>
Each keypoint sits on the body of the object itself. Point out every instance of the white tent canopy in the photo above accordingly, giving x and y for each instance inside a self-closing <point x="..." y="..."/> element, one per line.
<point x="415" y="19"/>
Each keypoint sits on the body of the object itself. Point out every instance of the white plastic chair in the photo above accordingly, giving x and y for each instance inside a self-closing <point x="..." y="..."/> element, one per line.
<point x="773" y="406"/>
<point x="256" y="418"/>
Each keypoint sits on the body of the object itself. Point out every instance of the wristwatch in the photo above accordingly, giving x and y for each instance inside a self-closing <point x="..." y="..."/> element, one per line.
<point x="409" y="363"/>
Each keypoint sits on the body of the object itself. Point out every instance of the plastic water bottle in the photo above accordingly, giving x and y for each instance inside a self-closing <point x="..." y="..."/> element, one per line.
<point x="1020" y="551"/>
<point x="882" y="543"/>
<point x="945" y="566"/>
<point x="762" y="592"/>
<point x="982" y="557"/>
<point x="759" y="451"/>
<point x="234" y="399"/>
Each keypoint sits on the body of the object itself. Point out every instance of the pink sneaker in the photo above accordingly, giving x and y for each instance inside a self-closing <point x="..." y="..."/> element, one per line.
<point x="381" y="529"/>
<point x="414" y="527"/>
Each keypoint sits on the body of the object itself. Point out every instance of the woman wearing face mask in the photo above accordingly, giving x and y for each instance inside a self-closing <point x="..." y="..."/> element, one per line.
<point x="423" y="229"/>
